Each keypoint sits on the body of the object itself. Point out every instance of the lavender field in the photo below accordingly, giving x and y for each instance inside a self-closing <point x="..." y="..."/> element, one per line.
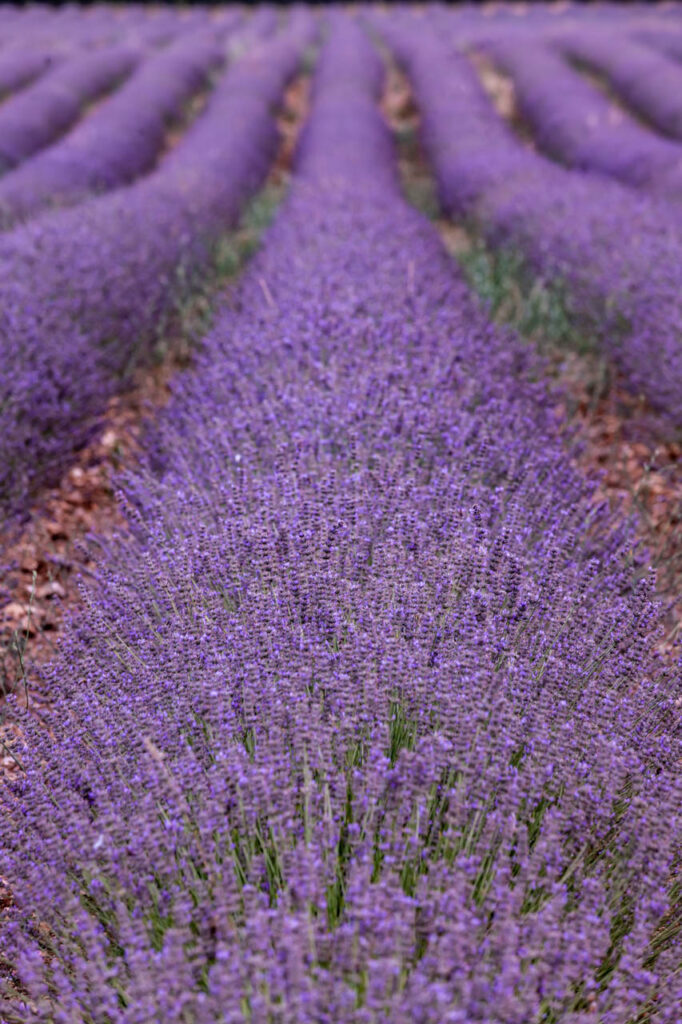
<point x="341" y="514"/>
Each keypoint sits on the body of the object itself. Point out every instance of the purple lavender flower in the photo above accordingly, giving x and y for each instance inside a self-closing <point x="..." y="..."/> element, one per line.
<point x="574" y="121"/>
<point x="362" y="724"/>
<point x="19" y="67"/>
<point x="648" y="81"/>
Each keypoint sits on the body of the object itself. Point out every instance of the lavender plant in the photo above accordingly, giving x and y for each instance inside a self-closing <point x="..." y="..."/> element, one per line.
<point x="39" y="114"/>
<point x="19" y="67"/>
<point x="362" y="720"/>
<point x="650" y="82"/>
<point x="82" y="291"/>
<point x="566" y="225"/>
<point x="662" y="39"/>
<point x="120" y="141"/>
<point x="574" y="121"/>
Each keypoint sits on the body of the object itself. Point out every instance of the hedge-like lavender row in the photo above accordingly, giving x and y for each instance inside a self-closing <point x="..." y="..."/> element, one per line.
<point x="19" y="67"/>
<point x="69" y="30"/>
<point x="539" y="21"/>
<point x="662" y="39"/>
<point x="82" y="290"/>
<point x="577" y="123"/>
<point x="120" y="140"/>
<point x="62" y="30"/>
<point x="39" y="114"/>
<point x="567" y="225"/>
<point x="649" y="82"/>
<point x="361" y="725"/>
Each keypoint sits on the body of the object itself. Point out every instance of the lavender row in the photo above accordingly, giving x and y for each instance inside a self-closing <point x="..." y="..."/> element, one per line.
<point x="82" y="291"/>
<point x="542" y="20"/>
<point x="21" y="66"/>
<point x="39" y="114"/>
<point x="100" y="25"/>
<point x="360" y="721"/>
<point x="577" y="123"/>
<point x="120" y="141"/>
<point x="662" y="39"/>
<point x="649" y="82"/>
<point x="568" y="226"/>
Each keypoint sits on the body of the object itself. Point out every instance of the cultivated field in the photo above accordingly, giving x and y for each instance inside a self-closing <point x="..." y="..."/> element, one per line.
<point x="341" y="514"/>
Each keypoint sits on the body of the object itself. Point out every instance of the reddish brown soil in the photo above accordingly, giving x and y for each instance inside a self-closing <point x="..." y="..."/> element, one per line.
<point x="641" y="471"/>
<point x="499" y="87"/>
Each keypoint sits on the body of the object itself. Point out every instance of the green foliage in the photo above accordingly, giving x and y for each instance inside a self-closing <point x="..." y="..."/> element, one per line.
<point x="417" y="181"/>
<point x="236" y="247"/>
<point x="539" y="309"/>
<point x="194" y="307"/>
<point x="402" y="732"/>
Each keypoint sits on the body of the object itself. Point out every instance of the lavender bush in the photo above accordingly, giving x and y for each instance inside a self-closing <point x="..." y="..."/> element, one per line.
<point x="19" y="67"/>
<point x="82" y="291"/>
<point x="39" y="114"/>
<point x="120" y="141"/>
<point x="362" y="724"/>
<point x="577" y="123"/>
<point x="648" y="81"/>
<point x="662" y="39"/>
<point x="62" y="29"/>
<point x="568" y="226"/>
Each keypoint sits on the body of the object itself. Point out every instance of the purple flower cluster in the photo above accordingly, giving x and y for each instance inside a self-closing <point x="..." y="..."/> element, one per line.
<point x="122" y="138"/>
<point x="82" y="290"/>
<point x="576" y="122"/>
<point x="648" y="81"/>
<point x="39" y="114"/>
<point x="361" y="724"/>
<point x="567" y="225"/>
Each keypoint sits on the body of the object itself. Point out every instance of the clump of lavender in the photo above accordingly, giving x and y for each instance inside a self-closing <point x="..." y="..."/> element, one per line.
<point x="37" y="115"/>
<point x="120" y="141"/>
<point x="82" y="290"/>
<point x="575" y="122"/>
<point x="648" y="81"/>
<point x="18" y="67"/>
<point x="361" y="723"/>
<point x="567" y="225"/>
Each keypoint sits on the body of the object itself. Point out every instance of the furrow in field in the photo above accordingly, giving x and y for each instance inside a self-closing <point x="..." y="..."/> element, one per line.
<point x="121" y="139"/>
<point x="44" y="558"/>
<point x="20" y="67"/>
<point x="622" y="442"/>
<point x="649" y="82"/>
